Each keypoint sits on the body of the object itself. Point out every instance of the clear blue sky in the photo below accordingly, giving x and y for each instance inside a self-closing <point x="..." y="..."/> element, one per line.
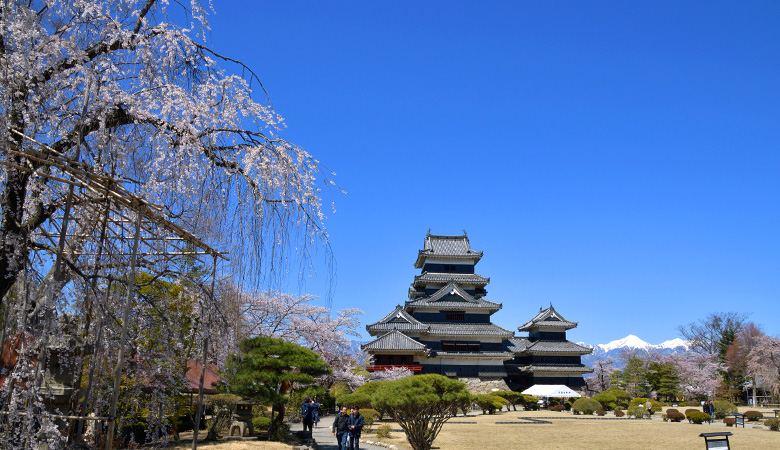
<point x="618" y="159"/>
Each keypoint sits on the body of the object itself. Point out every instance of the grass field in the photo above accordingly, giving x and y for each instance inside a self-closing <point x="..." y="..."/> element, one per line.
<point x="567" y="432"/>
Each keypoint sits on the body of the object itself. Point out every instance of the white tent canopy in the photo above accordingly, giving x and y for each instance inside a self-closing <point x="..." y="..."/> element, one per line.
<point x="550" y="390"/>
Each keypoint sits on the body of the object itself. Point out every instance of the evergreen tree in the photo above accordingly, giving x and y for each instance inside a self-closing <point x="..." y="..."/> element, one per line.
<point x="421" y="405"/>
<point x="267" y="369"/>
<point x="633" y="378"/>
<point x="664" y="380"/>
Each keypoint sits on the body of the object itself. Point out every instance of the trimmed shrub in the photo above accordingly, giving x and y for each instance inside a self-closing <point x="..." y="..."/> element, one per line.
<point x="529" y="402"/>
<point x="619" y="413"/>
<point x="773" y="424"/>
<point x="674" y="415"/>
<point x="622" y="397"/>
<point x="513" y="398"/>
<point x="489" y="403"/>
<point x="567" y="405"/>
<point x="637" y="407"/>
<point x="585" y="406"/>
<point x="607" y="400"/>
<point x="383" y="431"/>
<point x="261" y="423"/>
<point x="729" y="421"/>
<point x="753" y="416"/>
<point x="723" y="408"/>
<point x="634" y="407"/>
<point x="698" y="417"/>
<point x="601" y="412"/>
<point x="557" y="408"/>
<point x="369" y="416"/>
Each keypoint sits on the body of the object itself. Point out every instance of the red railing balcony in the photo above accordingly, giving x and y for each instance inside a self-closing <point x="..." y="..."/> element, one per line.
<point x="378" y="367"/>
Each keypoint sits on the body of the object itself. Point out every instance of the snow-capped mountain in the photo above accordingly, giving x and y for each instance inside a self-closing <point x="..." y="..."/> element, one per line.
<point x="630" y="343"/>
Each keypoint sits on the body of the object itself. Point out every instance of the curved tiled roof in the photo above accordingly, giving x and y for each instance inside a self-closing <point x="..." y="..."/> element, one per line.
<point x="555" y="368"/>
<point x="450" y="247"/>
<point x="398" y="319"/>
<point x="548" y="318"/>
<point x="467" y="329"/>
<point x="517" y="345"/>
<point x="558" y="347"/>
<point x="498" y="355"/>
<point x="442" y="277"/>
<point x="452" y="296"/>
<point x="395" y="341"/>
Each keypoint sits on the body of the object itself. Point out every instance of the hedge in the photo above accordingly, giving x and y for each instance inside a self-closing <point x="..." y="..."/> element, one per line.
<point x="585" y="406"/>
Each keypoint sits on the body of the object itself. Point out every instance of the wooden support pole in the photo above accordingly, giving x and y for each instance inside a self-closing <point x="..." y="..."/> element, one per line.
<point x="123" y="338"/>
<point x="199" y="410"/>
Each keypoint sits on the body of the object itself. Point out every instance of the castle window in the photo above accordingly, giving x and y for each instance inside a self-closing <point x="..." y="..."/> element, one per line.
<point x="448" y="346"/>
<point x="456" y="316"/>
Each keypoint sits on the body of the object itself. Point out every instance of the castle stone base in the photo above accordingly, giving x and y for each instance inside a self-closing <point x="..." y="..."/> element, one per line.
<point x="484" y="385"/>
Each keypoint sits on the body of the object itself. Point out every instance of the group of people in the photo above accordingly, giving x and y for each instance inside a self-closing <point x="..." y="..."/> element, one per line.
<point x="347" y="428"/>
<point x="708" y="408"/>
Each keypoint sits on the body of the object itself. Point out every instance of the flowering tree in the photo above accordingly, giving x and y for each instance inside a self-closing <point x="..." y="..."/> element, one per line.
<point x="764" y="362"/>
<point x="128" y="92"/>
<point x="739" y="351"/>
<point x="393" y="373"/>
<point x="699" y="373"/>
<point x="121" y="90"/>
<point x="295" y="319"/>
<point x="602" y="372"/>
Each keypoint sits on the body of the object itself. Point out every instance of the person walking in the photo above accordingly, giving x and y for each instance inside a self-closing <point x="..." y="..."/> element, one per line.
<point x="341" y="427"/>
<point x="306" y="415"/>
<point x="356" y="423"/>
<point x="711" y="410"/>
<point x="315" y="411"/>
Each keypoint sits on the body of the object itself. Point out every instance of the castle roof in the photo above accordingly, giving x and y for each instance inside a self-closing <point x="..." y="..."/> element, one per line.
<point x="394" y="341"/>
<point x="477" y="355"/>
<point x="517" y="345"/>
<point x="555" y="368"/>
<point x="558" y="347"/>
<point x="548" y="318"/>
<point x="398" y="319"/>
<point x="450" y="329"/>
<point x="446" y="247"/>
<point x="452" y="297"/>
<point x="443" y="277"/>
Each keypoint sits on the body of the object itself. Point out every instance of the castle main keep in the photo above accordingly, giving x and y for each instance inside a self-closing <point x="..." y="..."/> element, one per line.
<point x="445" y="327"/>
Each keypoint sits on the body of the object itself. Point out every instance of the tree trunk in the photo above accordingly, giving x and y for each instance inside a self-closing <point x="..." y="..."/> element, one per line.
<point x="14" y="245"/>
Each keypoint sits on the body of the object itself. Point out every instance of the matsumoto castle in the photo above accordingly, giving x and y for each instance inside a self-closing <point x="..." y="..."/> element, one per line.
<point x="445" y="328"/>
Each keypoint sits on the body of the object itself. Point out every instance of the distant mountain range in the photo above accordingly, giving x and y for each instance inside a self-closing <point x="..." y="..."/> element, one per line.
<point x="633" y="343"/>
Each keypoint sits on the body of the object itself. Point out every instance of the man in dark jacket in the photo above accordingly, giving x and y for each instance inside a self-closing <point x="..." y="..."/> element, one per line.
<point x="306" y="415"/>
<point x="341" y="427"/>
<point x="355" y="427"/>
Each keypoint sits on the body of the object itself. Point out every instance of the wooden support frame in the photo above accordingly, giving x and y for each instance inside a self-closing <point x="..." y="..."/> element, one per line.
<point x="156" y="238"/>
